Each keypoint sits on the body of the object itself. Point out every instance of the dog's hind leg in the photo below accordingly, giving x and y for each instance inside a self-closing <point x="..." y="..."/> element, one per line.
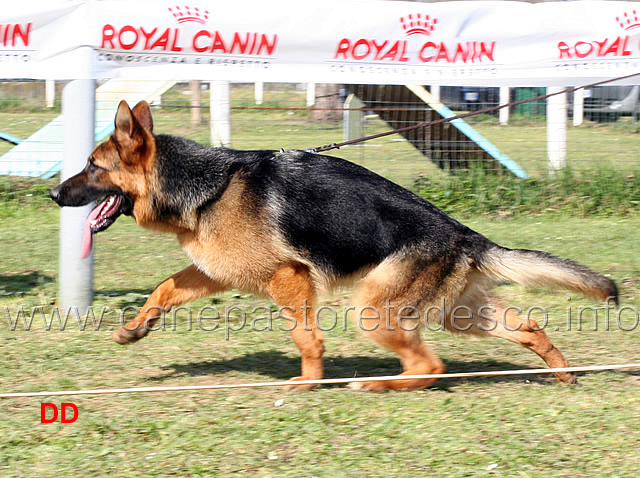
<point x="187" y="285"/>
<point x="415" y="356"/>
<point x="531" y="336"/>
<point x="481" y="313"/>
<point x="292" y="289"/>
<point x="390" y="301"/>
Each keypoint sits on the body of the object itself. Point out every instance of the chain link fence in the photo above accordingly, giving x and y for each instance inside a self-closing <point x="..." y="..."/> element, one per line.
<point x="274" y="116"/>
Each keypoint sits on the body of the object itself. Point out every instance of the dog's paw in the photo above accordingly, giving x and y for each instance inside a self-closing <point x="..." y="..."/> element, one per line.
<point x="368" y="386"/>
<point x="124" y="336"/>
<point x="302" y="387"/>
<point x="567" y="377"/>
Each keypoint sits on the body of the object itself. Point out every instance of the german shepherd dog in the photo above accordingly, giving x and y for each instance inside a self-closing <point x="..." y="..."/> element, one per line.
<point x="291" y="225"/>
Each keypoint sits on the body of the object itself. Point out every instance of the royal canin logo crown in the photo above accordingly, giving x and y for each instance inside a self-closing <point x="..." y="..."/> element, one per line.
<point x="186" y="14"/>
<point x="629" y="20"/>
<point x="417" y="24"/>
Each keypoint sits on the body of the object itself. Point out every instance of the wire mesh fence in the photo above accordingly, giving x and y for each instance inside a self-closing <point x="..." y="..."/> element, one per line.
<point x="280" y="116"/>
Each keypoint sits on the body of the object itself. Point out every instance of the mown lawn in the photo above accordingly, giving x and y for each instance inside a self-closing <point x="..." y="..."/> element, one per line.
<point x="527" y="426"/>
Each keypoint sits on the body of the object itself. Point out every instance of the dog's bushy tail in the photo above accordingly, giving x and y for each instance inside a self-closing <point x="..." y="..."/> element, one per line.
<point x="539" y="269"/>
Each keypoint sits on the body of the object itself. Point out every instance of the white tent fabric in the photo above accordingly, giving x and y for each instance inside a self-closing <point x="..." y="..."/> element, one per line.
<point x="380" y="42"/>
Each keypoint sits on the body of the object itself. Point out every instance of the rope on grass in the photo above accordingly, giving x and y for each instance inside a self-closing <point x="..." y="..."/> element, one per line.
<point x="326" y="381"/>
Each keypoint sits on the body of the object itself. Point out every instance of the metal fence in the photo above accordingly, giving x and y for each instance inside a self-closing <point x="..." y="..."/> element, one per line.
<point x="274" y="116"/>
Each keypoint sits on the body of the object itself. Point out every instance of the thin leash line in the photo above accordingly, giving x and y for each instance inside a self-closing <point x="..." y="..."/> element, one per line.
<point x="491" y="109"/>
<point x="326" y="381"/>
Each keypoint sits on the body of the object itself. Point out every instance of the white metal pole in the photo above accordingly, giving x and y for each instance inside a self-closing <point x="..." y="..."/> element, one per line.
<point x="352" y="127"/>
<point x="220" y="105"/>
<point x="556" y="129"/>
<point x="503" y="117"/>
<point x="75" y="280"/>
<point x="259" y="92"/>
<point x="435" y="92"/>
<point x="311" y="94"/>
<point x="50" y="92"/>
<point x="196" y="101"/>
<point x="578" y="107"/>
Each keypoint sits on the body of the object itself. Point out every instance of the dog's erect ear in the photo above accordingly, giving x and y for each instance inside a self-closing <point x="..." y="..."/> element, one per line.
<point x="142" y="113"/>
<point x="124" y="123"/>
<point x="131" y="126"/>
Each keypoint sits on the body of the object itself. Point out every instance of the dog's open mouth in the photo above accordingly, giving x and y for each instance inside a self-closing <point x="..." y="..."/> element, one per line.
<point x="101" y="217"/>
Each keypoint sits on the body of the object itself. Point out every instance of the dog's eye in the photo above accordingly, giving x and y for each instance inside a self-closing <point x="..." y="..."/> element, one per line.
<point x="93" y="165"/>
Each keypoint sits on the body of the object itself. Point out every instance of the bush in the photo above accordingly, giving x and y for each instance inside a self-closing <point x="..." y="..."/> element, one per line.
<point x="579" y="193"/>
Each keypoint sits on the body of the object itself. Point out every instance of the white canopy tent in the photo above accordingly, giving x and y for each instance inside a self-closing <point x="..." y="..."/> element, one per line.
<point x="492" y="43"/>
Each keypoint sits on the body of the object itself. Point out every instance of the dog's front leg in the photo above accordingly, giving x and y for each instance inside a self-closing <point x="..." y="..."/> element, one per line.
<point x="188" y="284"/>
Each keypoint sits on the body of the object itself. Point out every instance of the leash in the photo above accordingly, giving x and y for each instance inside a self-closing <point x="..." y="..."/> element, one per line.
<point x="491" y="109"/>
<point x="627" y="367"/>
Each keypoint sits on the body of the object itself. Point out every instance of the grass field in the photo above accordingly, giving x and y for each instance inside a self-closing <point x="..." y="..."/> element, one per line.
<point x="527" y="426"/>
<point x="519" y="426"/>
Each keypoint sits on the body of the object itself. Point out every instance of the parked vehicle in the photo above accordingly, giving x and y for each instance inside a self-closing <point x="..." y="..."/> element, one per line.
<point x="608" y="103"/>
<point x="601" y="103"/>
<point x="469" y="98"/>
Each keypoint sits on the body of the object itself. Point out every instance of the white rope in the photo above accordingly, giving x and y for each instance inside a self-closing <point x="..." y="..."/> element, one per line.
<point x="104" y="391"/>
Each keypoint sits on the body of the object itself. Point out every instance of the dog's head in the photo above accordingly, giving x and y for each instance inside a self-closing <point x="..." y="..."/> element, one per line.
<point x="115" y="173"/>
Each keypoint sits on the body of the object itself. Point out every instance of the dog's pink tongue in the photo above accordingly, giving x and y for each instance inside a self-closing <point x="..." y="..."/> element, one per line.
<point x="87" y="235"/>
<point x="87" y="241"/>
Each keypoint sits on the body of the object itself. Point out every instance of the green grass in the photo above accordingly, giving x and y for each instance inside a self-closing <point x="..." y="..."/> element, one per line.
<point x="590" y="146"/>
<point x="527" y="426"/>
<point x="603" y="191"/>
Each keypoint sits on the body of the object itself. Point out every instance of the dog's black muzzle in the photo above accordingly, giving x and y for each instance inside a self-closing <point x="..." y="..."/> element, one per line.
<point x="75" y="192"/>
